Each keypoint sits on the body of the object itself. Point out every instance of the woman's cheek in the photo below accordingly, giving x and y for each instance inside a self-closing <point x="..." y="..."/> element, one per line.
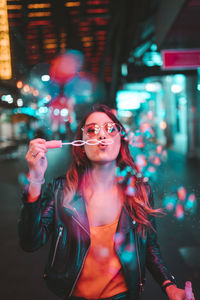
<point x="115" y="151"/>
<point x="89" y="152"/>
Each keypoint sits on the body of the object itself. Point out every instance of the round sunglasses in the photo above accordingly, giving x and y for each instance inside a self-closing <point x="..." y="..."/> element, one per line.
<point x="93" y="129"/>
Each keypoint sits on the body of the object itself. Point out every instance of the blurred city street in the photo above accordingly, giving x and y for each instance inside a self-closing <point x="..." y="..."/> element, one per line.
<point x="58" y="60"/>
<point x="21" y="273"/>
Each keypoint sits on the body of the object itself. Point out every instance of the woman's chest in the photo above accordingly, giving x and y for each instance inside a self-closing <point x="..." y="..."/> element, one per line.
<point x="103" y="210"/>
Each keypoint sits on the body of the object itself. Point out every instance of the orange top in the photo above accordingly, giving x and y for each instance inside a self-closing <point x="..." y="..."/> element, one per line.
<point x="101" y="276"/>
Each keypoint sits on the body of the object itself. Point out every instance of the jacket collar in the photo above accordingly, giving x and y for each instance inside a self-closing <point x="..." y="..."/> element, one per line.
<point x="78" y="210"/>
<point x="126" y="223"/>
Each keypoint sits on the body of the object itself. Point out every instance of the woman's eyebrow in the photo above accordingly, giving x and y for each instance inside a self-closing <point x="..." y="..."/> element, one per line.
<point x="91" y="124"/>
<point x="98" y="124"/>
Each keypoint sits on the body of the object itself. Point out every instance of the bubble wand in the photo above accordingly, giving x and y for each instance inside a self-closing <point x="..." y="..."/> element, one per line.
<point x="188" y="291"/>
<point x="58" y="143"/>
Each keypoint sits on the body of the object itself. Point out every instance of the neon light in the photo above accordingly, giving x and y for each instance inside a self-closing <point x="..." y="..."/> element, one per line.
<point x="176" y="88"/>
<point x="74" y="12"/>
<point x="88" y="44"/>
<point x="87" y="39"/>
<point x="38" y="23"/>
<point x="39" y="14"/>
<point x="19" y="84"/>
<point x="97" y="10"/>
<point x="100" y="21"/>
<point x="163" y="125"/>
<point x="50" y="46"/>
<point x="63" y="45"/>
<point x="39" y="5"/>
<point x="14" y="7"/>
<point x="72" y="4"/>
<point x="97" y="2"/>
<point x="5" y="56"/>
<point x="19" y="102"/>
<point x="45" y="77"/>
<point x="51" y="41"/>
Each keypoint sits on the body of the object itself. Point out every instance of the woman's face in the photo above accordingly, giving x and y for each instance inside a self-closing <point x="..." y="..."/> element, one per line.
<point x="102" y="153"/>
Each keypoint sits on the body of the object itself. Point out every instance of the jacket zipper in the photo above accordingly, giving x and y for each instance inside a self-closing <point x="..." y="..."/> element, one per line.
<point x="77" y="277"/>
<point x="56" y="246"/>
<point x="139" y="267"/>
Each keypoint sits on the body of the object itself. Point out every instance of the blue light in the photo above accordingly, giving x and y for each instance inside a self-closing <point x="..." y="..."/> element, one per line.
<point x="152" y="59"/>
<point x="153" y="47"/>
<point x="130" y="100"/>
<point x="45" y="77"/>
<point x="25" y="110"/>
<point x="43" y="110"/>
<point x="56" y="112"/>
<point x="64" y="112"/>
<point x="124" y="70"/>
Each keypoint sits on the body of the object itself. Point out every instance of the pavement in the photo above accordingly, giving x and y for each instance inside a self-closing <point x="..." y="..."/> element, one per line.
<point x="21" y="273"/>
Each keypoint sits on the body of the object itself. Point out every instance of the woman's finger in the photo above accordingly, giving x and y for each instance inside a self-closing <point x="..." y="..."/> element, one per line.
<point x="38" y="146"/>
<point x="39" y="156"/>
<point x="31" y="156"/>
<point x="34" y="150"/>
<point x="39" y="141"/>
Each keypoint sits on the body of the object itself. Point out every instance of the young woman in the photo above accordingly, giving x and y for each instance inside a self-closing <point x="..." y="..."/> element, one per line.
<point x="103" y="237"/>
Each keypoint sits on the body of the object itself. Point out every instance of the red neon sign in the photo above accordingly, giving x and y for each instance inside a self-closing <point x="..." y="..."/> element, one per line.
<point x="181" y="59"/>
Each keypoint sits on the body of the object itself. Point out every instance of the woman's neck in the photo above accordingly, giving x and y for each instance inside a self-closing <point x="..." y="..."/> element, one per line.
<point x="103" y="176"/>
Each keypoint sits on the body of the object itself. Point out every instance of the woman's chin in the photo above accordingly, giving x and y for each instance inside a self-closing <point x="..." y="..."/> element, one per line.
<point x="103" y="160"/>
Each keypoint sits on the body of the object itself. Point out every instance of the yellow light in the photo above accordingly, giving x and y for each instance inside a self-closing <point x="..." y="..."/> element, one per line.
<point x="39" y="5"/>
<point x="88" y="44"/>
<point x="39" y="14"/>
<point x="50" y="41"/>
<point x="26" y="88"/>
<point x="5" y="57"/>
<point x="87" y="39"/>
<point x="163" y="125"/>
<point x="72" y="4"/>
<point x="63" y="45"/>
<point x="14" y="7"/>
<point x="19" y="84"/>
<point x="50" y="46"/>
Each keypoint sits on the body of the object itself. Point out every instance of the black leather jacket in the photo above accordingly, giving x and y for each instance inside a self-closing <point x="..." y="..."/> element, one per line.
<point x="70" y="233"/>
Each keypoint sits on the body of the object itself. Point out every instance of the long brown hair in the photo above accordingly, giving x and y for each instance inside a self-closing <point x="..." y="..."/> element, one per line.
<point x="138" y="204"/>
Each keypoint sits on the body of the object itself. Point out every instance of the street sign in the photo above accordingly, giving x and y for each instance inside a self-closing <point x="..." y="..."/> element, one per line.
<point x="180" y="59"/>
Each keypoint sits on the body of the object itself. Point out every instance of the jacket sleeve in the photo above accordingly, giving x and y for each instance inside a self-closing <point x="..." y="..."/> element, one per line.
<point x="154" y="260"/>
<point x="36" y="220"/>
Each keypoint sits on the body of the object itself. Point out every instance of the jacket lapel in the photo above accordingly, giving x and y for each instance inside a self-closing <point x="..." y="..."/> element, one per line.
<point x="78" y="210"/>
<point x="126" y="223"/>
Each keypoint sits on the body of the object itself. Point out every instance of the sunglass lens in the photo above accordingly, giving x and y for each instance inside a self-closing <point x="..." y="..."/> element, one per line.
<point x="112" y="129"/>
<point x="91" y="130"/>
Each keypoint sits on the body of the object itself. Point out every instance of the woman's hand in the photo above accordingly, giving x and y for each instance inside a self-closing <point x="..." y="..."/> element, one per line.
<point x="175" y="293"/>
<point x="36" y="158"/>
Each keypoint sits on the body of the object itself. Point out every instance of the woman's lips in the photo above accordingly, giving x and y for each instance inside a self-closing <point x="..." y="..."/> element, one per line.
<point x="102" y="147"/>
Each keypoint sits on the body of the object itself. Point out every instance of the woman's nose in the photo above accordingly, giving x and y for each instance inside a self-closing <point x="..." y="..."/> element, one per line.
<point x="102" y="134"/>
